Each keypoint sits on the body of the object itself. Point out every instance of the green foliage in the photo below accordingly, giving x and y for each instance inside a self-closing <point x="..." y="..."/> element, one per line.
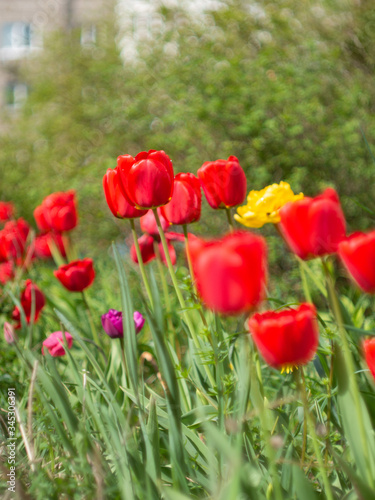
<point x="114" y="426"/>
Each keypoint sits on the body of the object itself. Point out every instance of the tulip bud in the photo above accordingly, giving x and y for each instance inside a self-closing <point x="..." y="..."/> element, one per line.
<point x="223" y="182"/>
<point x="9" y="335"/>
<point x="77" y="275"/>
<point x="32" y="298"/>
<point x="357" y="253"/>
<point x="113" y="325"/>
<point x="313" y="227"/>
<point x="286" y="338"/>
<point x="55" y="343"/>
<point x="185" y="205"/>
<point x="230" y="272"/>
<point x="116" y="201"/>
<point x="147" y="179"/>
<point x="58" y="212"/>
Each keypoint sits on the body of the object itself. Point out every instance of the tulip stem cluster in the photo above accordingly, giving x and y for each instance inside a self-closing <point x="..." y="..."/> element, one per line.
<point x="353" y="387"/>
<point x="179" y="294"/>
<point x="188" y="256"/>
<point x="140" y="262"/>
<point x="311" y="427"/>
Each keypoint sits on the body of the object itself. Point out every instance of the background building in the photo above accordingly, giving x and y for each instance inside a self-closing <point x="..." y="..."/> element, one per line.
<point x="23" y="26"/>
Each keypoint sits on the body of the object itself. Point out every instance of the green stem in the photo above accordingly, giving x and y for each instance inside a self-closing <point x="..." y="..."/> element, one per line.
<point x="229" y="217"/>
<point x="188" y="254"/>
<point x="91" y="320"/>
<point x="329" y="402"/>
<point x="194" y="298"/>
<point x="122" y="344"/>
<point x="310" y="424"/>
<point x="140" y="262"/>
<point x="165" y="287"/>
<point x="305" y="285"/>
<point x="353" y="385"/>
<point x="179" y="294"/>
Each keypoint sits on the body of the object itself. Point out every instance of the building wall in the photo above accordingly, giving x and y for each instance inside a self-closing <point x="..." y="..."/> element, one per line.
<point x="22" y="26"/>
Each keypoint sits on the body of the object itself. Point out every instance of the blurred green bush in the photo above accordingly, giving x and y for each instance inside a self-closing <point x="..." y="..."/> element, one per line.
<point x="287" y="87"/>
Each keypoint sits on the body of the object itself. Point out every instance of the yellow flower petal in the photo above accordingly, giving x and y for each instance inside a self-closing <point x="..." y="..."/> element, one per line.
<point x="263" y="206"/>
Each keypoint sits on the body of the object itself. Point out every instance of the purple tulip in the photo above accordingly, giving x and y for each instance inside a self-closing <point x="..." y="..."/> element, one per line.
<point x="112" y="323"/>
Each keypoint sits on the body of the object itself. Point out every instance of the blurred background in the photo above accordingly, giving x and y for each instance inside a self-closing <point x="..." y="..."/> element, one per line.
<point x="286" y="86"/>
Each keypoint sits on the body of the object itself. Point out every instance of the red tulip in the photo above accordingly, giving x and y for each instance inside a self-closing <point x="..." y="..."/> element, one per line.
<point x="6" y="272"/>
<point x="223" y="182"/>
<point x="58" y="212"/>
<point x="369" y="350"/>
<point x="31" y="297"/>
<point x="40" y="219"/>
<point x="55" y="343"/>
<point x="358" y="255"/>
<point x="77" y="275"/>
<point x="13" y="239"/>
<point x="115" y="198"/>
<point x="43" y="243"/>
<point x="146" y="246"/>
<point x="185" y="205"/>
<point x="230" y="272"/>
<point x="147" y="179"/>
<point x="6" y="211"/>
<point x="148" y="223"/>
<point x="286" y="338"/>
<point x="313" y="226"/>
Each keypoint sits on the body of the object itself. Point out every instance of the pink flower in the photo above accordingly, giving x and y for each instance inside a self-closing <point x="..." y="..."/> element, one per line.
<point x="55" y="343"/>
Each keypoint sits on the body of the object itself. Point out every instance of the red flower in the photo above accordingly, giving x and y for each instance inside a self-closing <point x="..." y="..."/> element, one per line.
<point x="185" y="205"/>
<point x="369" y="350"/>
<point x="230" y="272"/>
<point x="223" y="182"/>
<point x="58" y="212"/>
<point x="358" y="255"/>
<point x="55" y="343"/>
<point x="40" y="219"/>
<point x="6" y="272"/>
<point x="313" y="226"/>
<point x="146" y="246"/>
<point x="13" y="239"/>
<point x="43" y="243"/>
<point x="115" y="198"/>
<point x="147" y="179"/>
<point x="6" y="211"/>
<point x="77" y="275"/>
<point x="286" y="338"/>
<point x="31" y="297"/>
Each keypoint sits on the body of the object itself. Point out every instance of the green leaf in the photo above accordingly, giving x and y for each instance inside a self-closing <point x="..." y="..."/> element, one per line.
<point x="346" y="403"/>
<point x="129" y="340"/>
<point x="301" y="486"/>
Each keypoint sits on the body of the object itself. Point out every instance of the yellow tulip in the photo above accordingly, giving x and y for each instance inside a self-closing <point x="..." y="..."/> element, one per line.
<point x="263" y="206"/>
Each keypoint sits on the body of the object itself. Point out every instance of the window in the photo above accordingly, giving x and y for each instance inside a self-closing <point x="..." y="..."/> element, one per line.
<point x="17" y="40"/>
<point x="88" y="35"/>
<point x="16" y="35"/>
<point x="15" y="95"/>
